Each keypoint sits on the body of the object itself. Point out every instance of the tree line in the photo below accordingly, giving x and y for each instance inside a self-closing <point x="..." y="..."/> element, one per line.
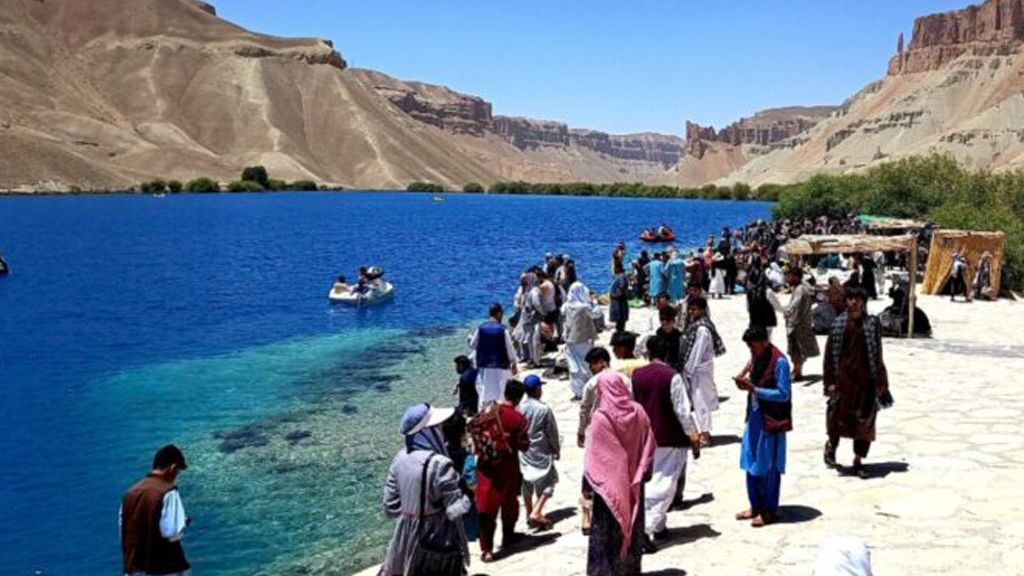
<point x="934" y="188"/>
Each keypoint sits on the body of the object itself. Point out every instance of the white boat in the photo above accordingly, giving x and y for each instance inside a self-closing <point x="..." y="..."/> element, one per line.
<point x="344" y="294"/>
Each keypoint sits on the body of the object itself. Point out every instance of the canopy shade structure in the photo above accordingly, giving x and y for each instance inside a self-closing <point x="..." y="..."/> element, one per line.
<point x="863" y="244"/>
<point x="973" y="244"/>
<point x="887" y="223"/>
<point x="849" y="244"/>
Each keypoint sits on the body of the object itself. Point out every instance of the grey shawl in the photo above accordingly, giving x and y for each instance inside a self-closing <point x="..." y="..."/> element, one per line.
<point x="444" y="501"/>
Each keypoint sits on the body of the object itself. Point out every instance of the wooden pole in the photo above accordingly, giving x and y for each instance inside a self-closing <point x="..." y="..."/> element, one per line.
<point x="912" y="269"/>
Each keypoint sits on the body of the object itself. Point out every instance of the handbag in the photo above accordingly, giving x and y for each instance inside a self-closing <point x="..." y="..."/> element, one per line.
<point x="438" y="552"/>
<point x="772" y="425"/>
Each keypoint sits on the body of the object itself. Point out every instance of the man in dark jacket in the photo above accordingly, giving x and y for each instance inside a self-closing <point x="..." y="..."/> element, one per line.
<point x="153" y="520"/>
<point x="856" y="381"/>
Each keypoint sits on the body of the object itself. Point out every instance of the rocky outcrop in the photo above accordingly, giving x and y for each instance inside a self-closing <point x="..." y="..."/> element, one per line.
<point x="204" y="6"/>
<point x="466" y="114"/>
<point x="767" y="129"/>
<point x="665" y="150"/>
<point x="995" y="28"/>
<point x="434" y="105"/>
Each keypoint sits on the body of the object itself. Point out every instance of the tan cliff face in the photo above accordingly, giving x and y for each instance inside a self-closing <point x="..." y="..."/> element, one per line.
<point x="465" y="114"/>
<point x="102" y="94"/>
<point x="957" y="88"/>
<point x="993" y="28"/>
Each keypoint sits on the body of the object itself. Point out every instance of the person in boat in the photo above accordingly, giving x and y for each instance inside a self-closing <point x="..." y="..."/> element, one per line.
<point x="363" y="286"/>
<point x="341" y="286"/>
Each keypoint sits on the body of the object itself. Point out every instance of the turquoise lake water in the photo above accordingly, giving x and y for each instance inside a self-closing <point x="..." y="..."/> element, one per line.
<point x="129" y="322"/>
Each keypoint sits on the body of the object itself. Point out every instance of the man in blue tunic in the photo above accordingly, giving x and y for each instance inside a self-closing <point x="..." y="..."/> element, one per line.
<point x="676" y="272"/>
<point x="656" y="275"/>
<point x="769" y="417"/>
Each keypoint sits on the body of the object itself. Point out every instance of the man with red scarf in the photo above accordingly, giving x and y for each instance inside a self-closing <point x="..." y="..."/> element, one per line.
<point x="769" y="417"/>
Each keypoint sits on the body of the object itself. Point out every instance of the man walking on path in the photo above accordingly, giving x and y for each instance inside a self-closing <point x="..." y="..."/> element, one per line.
<point x="153" y="520"/>
<point x="769" y="418"/>
<point x="856" y="381"/>
<point x="660" y="390"/>
<point x="499" y="479"/>
<point x="538" y="462"/>
<point x="495" y="356"/>
<point x="801" y="341"/>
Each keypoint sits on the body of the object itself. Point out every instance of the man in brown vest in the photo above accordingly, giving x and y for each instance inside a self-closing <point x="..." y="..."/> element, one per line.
<point x="662" y="393"/>
<point x="153" y="520"/>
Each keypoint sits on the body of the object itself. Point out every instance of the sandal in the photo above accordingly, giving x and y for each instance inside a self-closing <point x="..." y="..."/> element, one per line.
<point x="747" y="515"/>
<point x="762" y="521"/>
<point x="487" y="558"/>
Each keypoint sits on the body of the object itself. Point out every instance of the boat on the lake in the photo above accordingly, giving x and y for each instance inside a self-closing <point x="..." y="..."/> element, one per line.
<point x="371" y="289"/>
<point x="440" y="199"/>
<point x="663" y="234"/>
<point x="4" y="268"/>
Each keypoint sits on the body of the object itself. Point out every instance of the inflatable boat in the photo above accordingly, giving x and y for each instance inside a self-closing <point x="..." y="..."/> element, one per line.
<point x="648" y="236"/>
<point x="374" y="294"/>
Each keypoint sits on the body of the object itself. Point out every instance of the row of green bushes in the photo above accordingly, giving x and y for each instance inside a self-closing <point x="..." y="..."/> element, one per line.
<point x="767" y="192"/>
<point x="253" y="179"/>
<point x="935" y="188"/>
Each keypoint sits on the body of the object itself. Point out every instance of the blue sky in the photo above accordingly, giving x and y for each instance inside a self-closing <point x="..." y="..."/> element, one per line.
<point x="619" y="66"/>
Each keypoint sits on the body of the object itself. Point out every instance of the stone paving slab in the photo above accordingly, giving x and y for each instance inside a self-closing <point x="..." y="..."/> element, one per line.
<point x="946" y="487"/>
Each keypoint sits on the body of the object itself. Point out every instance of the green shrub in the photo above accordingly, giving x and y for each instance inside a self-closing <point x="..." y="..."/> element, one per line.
<point x="276" y="185"/>
<point x="933" y="188"/>
<point x="256" y="174"/>
<point x="305" y="185"/>
<point x="420" y="186"/>
<point x="245" y="186"/>
<point x="473" y="188"/>
<point x="202" y="185"/>
<point x="146" y="187"/>
<point x="174" y="186"/>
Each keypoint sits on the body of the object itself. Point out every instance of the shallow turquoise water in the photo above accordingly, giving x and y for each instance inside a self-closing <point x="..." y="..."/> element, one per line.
<point x="129" y="322"/>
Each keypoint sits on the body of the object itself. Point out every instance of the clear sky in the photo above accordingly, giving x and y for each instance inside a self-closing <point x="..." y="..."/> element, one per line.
<point x="619" y="66"/>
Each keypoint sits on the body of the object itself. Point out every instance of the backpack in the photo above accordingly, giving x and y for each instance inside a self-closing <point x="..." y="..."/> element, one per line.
<point x="490" y="441"/>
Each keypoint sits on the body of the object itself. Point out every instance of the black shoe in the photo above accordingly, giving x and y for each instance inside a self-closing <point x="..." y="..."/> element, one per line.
<point x="663" y="535"/>
<point x="830" y="455"/>
<point x="860" y="471"/>
<point x="647" y="546"/>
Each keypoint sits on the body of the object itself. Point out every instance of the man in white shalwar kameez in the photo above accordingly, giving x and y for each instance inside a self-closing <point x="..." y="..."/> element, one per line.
<point x="697" y="351"/>
<point x="661" y="391"/>
<point x="491" y="346"/>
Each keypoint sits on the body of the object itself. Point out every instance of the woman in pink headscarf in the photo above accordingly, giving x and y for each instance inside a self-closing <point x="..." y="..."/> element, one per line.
<point x="620" y="450"/>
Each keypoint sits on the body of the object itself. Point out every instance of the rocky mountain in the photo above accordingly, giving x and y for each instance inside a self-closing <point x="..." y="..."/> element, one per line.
<point x="102" y="94"/>
<point x="465" y="114"/>
<point x="957" y="87"/>
<point x="711" y="154"/>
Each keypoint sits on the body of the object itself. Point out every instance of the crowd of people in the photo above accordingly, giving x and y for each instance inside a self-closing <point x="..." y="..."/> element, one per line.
<point x="646" y="405"/>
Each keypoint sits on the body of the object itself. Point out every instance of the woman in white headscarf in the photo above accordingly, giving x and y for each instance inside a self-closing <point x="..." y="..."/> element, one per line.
<point x="580" y="333"/>
<point x="843" y="557"/>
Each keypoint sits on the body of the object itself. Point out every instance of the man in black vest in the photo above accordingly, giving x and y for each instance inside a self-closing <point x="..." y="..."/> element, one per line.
<point x="153" y="520"/>
<point x="660" y="390"/>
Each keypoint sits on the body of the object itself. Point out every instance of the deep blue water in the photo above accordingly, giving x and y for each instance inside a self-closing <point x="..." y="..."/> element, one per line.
<point x="129" y="322"/>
